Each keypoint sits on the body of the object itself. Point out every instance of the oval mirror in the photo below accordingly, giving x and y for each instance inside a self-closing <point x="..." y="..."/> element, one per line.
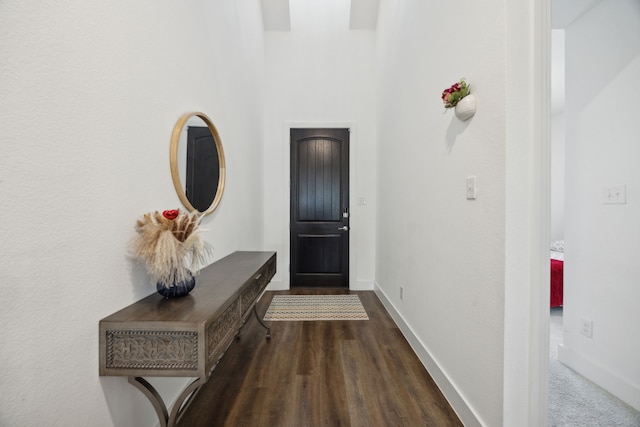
<point x="197" y="163"/>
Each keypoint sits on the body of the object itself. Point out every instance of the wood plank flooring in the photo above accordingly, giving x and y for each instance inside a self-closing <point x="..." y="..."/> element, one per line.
<point x="326" y="373"/>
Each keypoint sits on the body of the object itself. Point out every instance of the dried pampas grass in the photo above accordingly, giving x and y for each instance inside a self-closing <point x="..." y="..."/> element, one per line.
<point x="170" y="249"/>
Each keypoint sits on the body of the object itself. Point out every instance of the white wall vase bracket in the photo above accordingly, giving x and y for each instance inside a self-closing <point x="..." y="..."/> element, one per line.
<point x="466" y="107"/>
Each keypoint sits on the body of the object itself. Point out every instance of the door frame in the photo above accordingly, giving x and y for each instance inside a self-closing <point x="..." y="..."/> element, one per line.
<point x="286" y="191"/>
<point x="528" y="188"/>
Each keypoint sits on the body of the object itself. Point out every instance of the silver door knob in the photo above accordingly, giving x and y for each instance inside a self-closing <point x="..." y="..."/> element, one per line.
<point x="344" y="228"/>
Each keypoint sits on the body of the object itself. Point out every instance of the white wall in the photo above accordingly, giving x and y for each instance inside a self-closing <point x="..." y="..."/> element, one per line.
<point x="320" y="74"/>
<point x="90" y="93"/>
<point x="602" y="240"/>
<point x="447" y="252"/>
<point x="557" y="176"/>
<point x="557" y="134"/>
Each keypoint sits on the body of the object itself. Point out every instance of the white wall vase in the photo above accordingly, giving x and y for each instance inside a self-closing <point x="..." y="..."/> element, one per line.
<point x="466" y="107"/>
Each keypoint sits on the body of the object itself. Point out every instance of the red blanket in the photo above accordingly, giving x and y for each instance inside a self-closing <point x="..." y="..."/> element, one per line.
<point x="557" y="268"/>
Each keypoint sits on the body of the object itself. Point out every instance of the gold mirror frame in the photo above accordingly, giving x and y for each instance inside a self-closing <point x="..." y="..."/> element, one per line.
<point x="173" y="160"/>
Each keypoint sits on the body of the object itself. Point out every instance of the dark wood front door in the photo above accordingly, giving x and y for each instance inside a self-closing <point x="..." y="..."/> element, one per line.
<point x="319" y="208"/>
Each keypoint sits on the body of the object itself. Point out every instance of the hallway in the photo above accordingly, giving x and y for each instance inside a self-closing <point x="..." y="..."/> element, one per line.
<point x="331" y="373"/>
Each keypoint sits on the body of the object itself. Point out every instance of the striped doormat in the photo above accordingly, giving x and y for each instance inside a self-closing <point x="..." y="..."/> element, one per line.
<point x="316" y="307"/>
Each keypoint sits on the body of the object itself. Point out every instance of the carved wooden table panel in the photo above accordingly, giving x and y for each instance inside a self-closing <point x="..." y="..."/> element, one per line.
<point x="185" y="336"/>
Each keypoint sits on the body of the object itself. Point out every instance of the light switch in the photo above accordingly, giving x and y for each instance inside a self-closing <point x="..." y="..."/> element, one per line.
<point x="471" y="188"/>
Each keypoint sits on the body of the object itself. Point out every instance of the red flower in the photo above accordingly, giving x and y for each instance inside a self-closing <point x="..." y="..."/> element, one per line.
<point x="171" y="214"/>
<point x="453" y="94"/>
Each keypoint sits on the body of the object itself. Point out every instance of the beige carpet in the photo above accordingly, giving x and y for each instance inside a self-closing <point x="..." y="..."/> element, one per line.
<point x="315" y="307"/>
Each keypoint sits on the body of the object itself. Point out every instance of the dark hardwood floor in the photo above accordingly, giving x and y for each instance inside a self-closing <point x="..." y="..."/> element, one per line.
<point x="329" y="373"/>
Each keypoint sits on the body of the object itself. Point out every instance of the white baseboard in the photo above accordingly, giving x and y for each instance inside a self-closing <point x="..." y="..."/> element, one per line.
<point x="619" y="387"/>
<point x="457" y="402"/>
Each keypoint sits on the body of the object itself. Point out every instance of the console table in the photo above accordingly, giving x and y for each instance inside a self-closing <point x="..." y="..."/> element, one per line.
<point x="185" y="336"/>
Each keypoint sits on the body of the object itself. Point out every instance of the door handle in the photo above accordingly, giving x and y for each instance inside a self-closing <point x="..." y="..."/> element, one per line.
<point x="344" y="228"/>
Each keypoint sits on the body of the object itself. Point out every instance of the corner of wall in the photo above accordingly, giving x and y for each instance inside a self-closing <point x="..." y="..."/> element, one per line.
<point x="277" y="285"/>
<point x="599" y="374"/>
<point x="362" y="285"/>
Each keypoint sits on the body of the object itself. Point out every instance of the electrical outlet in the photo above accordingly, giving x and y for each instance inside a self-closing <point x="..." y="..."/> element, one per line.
<point x="615" y="195"/>
<point x="401" y="293"/>
<point x="586" y="327"/>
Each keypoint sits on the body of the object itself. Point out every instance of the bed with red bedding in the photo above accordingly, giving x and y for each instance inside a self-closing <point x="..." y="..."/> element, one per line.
<point x="557" y="267"/>
<point x="557" y="273"/>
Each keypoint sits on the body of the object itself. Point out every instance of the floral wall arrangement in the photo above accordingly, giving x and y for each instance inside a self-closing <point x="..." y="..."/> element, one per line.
<point x="459" y="97"/>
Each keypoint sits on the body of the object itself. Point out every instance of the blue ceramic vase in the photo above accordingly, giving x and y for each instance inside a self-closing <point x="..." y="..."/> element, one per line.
<point x="179" y="289"/>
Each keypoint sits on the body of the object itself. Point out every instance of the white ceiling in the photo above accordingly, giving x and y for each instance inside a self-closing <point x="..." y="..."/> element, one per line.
<point x="291" y="15"/>
<point x="283" y="15"/>
<point x="565" y="12"/>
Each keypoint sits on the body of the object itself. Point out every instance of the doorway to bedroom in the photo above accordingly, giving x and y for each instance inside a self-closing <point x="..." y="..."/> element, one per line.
<point x="590" y="323"/>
